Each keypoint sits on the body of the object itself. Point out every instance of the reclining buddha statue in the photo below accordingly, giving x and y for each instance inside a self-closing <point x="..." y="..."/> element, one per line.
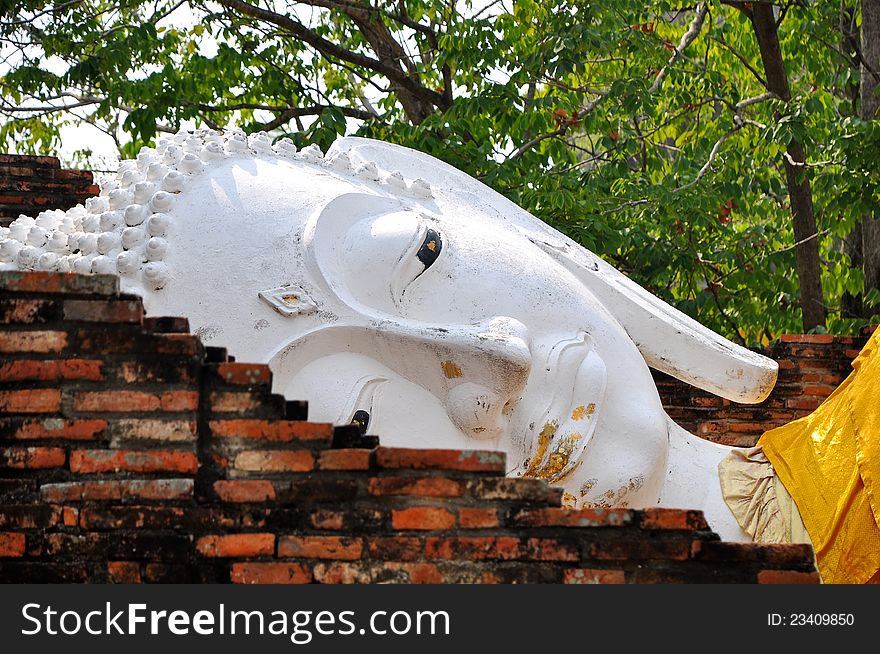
<point x="379" y="282"/>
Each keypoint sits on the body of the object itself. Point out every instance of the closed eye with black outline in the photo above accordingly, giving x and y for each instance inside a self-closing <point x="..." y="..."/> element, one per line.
<point x="430" y="249"/>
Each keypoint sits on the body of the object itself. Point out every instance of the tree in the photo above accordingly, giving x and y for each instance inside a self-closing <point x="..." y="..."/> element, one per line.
<point x="662" y="138"/>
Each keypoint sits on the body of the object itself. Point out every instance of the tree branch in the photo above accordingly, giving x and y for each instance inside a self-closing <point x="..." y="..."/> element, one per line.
<point x="687" y="38"/>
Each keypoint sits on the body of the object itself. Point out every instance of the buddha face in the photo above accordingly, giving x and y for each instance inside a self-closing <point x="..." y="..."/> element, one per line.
<point x="463" y="322"/>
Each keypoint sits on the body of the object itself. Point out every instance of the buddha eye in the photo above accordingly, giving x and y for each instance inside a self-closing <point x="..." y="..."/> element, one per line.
<point x="430" y="249"/>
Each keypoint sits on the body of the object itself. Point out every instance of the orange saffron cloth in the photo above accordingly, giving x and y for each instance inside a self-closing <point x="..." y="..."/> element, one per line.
<point x="829" y="462"/>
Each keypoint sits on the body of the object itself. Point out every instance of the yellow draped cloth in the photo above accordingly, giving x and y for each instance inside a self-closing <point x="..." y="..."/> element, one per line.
<point x="829" y="462"/>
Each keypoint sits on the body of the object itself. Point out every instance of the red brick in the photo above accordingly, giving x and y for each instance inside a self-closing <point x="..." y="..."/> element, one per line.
<point x="272" y="430"/>
<point x="809" y="404"/>
<point x="593" y="576"/>
<point x="422" y="486"/>
<point x="345" y="459"/>
<point x="673" y="519"/>
<point x="787" y="577"/>
<point x="88" y="461"/>
<point x="33" y="458"/>
<point x="244" y="374"/>
<point x="132" y="517"/>
<point x="236" y="545"/>
<point x="275" y="461"/>
<point x="135" y="401"/>
<point x="463" y="460"/>
<point x="114" y="311"/>
<point x="43" y="428"/>
<point x="425" y="518"/>
<point x="470" y="518"/>
<point x="341" y="573"/>
<point x="270" y="573"/>
<point x="395" y="548"/>
<point x="12" y="544"/>
<point x="123" y="572"/>
<point x="822" y="390"/>
<point x="36" y="341"/>
<point x="65" y="369"/>
<point x="256" y="490"/>
<point x="320" y="547"/>
<point x="562" y="517"/>
<point x="41" y="400"/>
<point x="70" y="516"/>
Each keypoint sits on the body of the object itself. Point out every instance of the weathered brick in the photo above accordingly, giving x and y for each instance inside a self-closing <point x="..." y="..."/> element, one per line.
<point x="463" y="460"/>
<point x="63" y="369"/>
<point x="131" y="311"/>
<point x="412" y="573"/>
<point x="135" y="401"/>
<point x="69" y="516"/>
<point x="272" y="430"/>
<point x="236" y="545"/>
<point x="562" y="517"/>
<point x="341" y="573"/>
<point x="52" y="282"/>
<point x="41" y="400"/>
<point x="426" y="518"/>
<point x="673" y="519"/>
<point x="320" y="547"/>
<point x="422" y="486"/>
<point x="41" y="342"/>
<point x="234" y="402"/>
<point x="511" y="489"/>
<point x="787" y="577"/>
<point x="132" y="517"/>
<point x="274" y="461"/>
<point x="119" y="490"/>
<point x="474" y="548"/>
<point x="88" y="461"/>
<point x="123" y="572"/>
<point x="167" y="431"/>
<point x="675" y="550"/>
<point x="28" y="312"/>
<point x="345" y="459"/>
<point x="49" y="428"/>
<point x="395" y="548"/>
<point x="270" y="573"/>
<point x="12" y="544"/>
<point x="18" y="516"/>
<point x="478" y="518"/>
<point x="245" y="490"/>
<point x="32" y="458"/>
<point x="244" y="374"/>
<point x="594" y="576"/>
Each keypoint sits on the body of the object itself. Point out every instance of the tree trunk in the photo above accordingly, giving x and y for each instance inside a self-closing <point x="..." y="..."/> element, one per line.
<point x="851" y="306"/>
<point x="868" y="110"/>
<point x="799" y="191"/>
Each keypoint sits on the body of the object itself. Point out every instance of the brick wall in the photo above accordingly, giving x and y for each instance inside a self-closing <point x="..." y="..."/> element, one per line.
<point x="129" y="452"/>
<point x="30" y="185"/>
<point x="811" y="366"/>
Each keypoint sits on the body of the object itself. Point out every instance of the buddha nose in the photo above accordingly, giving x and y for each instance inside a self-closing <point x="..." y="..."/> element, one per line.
<point x="485" y="374"/>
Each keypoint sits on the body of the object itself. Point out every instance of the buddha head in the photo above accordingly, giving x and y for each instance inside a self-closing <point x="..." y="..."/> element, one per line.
<point x="386" y="287"/>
